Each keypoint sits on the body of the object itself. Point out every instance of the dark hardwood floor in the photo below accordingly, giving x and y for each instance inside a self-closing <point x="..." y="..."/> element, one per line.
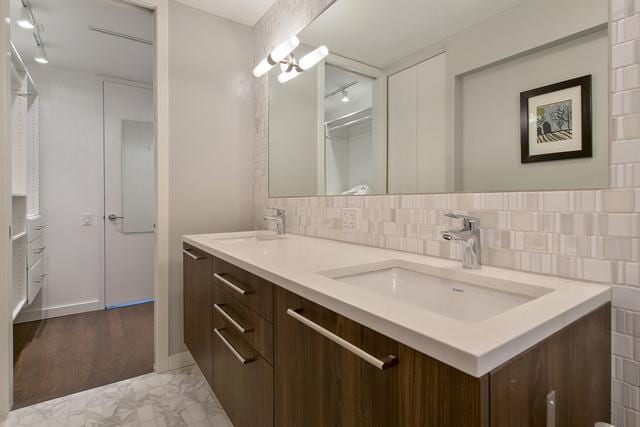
<point x="65" y="355"/>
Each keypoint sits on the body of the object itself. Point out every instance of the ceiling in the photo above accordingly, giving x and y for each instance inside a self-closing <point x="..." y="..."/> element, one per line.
<point x="380" y="33"/>
<point x="70" y="44"/>
<point x="246" y="12"/>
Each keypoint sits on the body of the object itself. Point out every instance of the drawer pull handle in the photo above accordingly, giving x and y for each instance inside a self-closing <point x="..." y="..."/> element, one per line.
<point x="40" y="278"/>
<point x="231" y="348"/>
<point x="385" y="363"/>
<point x="39" y="250"/>
<point x="231" y="285"/>
<point x="231" y="320"/>
<point x="195" y="257"/>
<point x="40" y="227"/>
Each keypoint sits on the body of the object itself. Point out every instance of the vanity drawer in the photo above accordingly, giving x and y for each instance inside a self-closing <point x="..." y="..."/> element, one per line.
<point x="248" y="288"/>
<point x="242" y="380"/>
<point x="231" y="313"/>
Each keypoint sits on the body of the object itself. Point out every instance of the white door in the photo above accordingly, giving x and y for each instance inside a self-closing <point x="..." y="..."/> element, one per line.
<point x="130" y="189"/>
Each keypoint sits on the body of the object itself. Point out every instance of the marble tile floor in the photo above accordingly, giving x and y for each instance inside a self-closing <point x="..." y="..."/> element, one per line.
<point x="177" y="398"/>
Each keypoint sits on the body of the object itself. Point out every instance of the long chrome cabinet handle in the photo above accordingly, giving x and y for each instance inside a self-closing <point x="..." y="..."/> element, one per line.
<point x="232" y="285"/>
<point x="551" y="409"/>
<point x="40" y="227"/>
<point x="385" y="363"/>
<point x="235" y="352"/>
<point x="39" y="250"/>
<point x="231" y="320"/>
<point x="196" y="257"/>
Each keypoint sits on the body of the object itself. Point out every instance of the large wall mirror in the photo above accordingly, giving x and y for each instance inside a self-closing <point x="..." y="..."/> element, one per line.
<point x="437" y="96"/>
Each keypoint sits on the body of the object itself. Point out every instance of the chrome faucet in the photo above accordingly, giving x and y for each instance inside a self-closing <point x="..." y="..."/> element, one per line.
<point x="469" y="235"/>
<point x="281" y="224"/>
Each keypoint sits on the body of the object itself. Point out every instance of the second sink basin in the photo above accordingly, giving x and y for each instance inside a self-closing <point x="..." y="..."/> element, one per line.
<point x="255" y="238"/>
<point x="430" y="290"/>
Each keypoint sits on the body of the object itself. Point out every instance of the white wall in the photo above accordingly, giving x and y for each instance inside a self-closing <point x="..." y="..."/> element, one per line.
<point x="70" y="184"/>
<point x="491" y="119"/>
<point x="211" y="136"/>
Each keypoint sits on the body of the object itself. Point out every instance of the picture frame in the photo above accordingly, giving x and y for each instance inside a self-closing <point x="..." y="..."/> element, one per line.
<point x="556" y="121"/>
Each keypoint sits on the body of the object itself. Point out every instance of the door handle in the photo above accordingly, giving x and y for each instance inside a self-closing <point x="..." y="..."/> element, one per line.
<point x="113" y="217"/>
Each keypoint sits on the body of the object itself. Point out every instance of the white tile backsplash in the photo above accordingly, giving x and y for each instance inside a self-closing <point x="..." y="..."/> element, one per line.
<point x="588" y="235"/>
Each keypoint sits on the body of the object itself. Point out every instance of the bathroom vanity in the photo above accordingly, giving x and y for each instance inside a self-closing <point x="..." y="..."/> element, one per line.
<point x="293" y="330"/>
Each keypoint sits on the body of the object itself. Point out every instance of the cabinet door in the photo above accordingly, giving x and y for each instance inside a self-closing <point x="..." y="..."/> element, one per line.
<point x="198" y="307"/>
<point x="563" y="381"/>
<point x="320" y="383"/>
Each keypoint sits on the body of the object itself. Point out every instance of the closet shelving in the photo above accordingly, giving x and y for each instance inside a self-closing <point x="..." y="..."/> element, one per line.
<point x="24" y="181"/>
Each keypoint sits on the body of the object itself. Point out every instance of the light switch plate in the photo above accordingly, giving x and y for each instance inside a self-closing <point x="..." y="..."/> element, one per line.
<point x="349" y="220"/>
<point x="87" y="219"/>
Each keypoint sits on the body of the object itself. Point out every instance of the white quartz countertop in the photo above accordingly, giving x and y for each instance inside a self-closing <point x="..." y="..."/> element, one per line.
<point x="299" y="264"/>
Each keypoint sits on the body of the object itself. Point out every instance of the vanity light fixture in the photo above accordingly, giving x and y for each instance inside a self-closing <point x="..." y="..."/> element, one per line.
<point x="292" y="68"/>
<point x="345" y="96"/>
<point x="25" y="19"/>
<point x="279" y="53"/>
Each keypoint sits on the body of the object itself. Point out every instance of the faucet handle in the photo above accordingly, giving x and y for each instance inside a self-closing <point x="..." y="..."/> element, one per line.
<point x="278" y="211"/>
<point x="469" y="222"/>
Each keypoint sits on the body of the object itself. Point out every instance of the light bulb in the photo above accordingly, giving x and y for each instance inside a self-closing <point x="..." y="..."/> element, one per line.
<point x="278" y="54"/>
<point x="313" y="57"/>
<point x="345" y="96"/>
<point x="288" y="75"/>
<point x="24" y="19"/>
<point x="284" y="49"/>
<point x="41" y="56"/>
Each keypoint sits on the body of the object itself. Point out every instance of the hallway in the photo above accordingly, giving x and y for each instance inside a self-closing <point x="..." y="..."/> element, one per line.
<point x="64" y="355"/>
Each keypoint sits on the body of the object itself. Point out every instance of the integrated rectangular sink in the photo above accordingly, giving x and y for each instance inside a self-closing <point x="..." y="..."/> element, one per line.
<point x="436" y="291"/>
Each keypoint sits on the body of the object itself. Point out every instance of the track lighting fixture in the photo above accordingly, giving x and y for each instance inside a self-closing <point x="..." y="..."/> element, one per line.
<point x="289" y="65"/>
<point x="41" y="55"/>
<point x="24" y="18"/>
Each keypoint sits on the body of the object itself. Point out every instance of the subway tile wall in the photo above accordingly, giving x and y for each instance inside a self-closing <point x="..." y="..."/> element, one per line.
<point x="585" y="235"/>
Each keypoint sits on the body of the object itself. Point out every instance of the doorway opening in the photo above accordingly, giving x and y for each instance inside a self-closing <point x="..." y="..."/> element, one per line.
<point x="84" y="195"/>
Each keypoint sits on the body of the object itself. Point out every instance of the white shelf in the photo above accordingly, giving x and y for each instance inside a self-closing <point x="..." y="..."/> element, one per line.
<point x="19" y="236"/>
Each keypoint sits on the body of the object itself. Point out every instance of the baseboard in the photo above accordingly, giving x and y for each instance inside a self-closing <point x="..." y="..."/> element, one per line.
<point x="180" y="360"/>
<point x="61" y="310"/>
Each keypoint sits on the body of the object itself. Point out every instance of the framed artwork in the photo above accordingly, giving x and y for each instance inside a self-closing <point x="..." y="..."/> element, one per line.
<point x="555" y="121"/>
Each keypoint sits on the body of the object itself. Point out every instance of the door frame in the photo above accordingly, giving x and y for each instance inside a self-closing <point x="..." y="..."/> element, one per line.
<point x="161" y="250"/>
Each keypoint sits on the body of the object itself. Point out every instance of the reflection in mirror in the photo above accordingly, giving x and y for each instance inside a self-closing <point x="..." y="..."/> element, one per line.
<point x="437" y="97"/>
<point x="348" y="132"/>
<point x="138" y="177"/>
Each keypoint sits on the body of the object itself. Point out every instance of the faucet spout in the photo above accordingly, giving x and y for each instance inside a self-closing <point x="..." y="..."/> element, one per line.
<point x="469" y="235"/>
<point x="279" y="219"/>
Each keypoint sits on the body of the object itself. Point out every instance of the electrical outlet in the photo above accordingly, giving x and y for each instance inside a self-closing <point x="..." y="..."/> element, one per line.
<point x="349" y="220"/>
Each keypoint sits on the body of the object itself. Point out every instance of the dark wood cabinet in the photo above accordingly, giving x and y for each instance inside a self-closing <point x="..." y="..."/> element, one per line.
<point x="275" y="358"/>
<point x="197" y="295"/>
<point x="318" y="382"/>
<point x="572" y="368"/>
